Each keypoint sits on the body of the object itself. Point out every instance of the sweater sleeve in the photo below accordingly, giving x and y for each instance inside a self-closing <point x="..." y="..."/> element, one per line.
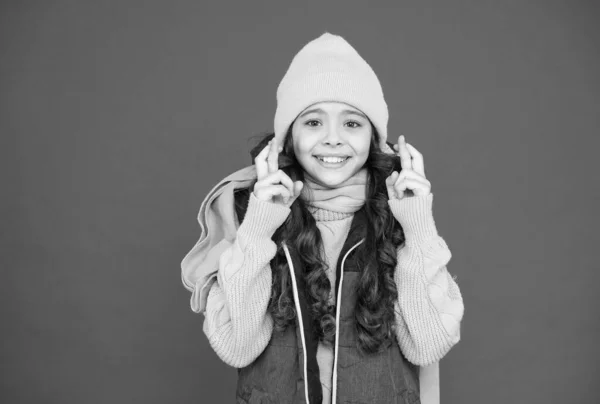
<point x="430" y="306"/>
<point x="237" y="323"/>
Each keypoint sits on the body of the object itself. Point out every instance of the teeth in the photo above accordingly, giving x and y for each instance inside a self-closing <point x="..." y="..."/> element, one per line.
<point x="332" y="159"/>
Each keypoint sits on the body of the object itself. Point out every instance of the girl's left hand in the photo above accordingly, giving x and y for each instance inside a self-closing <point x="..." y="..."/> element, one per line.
<point x="412" y="176"/>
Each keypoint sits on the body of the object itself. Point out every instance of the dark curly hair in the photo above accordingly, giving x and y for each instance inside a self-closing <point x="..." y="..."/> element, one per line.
<point x="376" y="292"/>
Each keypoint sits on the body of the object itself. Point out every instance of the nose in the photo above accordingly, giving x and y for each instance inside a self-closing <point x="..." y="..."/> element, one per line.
<point x="332" y="137"/>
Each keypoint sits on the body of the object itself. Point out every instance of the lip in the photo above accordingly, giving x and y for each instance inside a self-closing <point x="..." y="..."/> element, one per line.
<point x="331" y="155"/>
<point x="332" y="165"/>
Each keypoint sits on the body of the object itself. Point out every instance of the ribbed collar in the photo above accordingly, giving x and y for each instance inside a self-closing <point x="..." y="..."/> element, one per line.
<point x="325" y="215"/>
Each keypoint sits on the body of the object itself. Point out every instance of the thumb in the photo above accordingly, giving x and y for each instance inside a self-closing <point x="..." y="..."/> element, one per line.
<point x="389" y="183"/>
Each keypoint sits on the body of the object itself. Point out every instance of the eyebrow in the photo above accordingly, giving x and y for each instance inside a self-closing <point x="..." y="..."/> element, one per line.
<point x="346" y="111"/>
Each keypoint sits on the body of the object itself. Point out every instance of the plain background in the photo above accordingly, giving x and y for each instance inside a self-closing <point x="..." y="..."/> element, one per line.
<point x="118" y="118"/>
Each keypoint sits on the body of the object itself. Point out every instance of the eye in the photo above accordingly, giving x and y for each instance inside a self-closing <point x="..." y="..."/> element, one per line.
<point x="354" y="124"/>
<point x="308" y="123"/>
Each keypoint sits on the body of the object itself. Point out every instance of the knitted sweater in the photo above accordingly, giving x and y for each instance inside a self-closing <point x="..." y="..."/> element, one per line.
<point x="428" y="311"/>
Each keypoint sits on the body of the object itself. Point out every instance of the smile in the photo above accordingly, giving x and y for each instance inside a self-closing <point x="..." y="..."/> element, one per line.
<point x="332" y="161"/>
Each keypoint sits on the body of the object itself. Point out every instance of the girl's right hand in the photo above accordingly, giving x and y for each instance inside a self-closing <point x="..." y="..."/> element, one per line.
<point x="273" y="185"/>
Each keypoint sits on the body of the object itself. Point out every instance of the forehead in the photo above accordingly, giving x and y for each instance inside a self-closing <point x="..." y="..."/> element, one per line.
<point x="332" y="107"/>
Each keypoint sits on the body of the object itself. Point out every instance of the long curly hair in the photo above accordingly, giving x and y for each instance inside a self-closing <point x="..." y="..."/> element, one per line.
<point x="376" y="291"/>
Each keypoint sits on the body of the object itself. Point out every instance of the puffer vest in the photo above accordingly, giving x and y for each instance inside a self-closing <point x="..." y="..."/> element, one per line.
<point x="287" y="370"/>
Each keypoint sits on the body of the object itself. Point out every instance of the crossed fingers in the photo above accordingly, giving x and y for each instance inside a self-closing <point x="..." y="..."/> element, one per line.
<point x="411" y="179"/>
<point x="272" y="183"/>
<point x="266" y="161"/>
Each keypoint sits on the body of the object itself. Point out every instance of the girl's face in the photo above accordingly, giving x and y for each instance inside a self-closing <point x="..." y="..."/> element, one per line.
<point x="331" y="141"/>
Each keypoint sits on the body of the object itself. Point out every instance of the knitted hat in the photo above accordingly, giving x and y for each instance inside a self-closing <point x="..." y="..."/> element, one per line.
<point x="329" y="69"/>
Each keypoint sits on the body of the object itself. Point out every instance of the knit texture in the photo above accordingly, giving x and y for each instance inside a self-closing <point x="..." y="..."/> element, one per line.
<point x="428" y="311"/>
<point x="328" y="68"/>
<point x="430" y="306"/>
<point x="325" y="215"/>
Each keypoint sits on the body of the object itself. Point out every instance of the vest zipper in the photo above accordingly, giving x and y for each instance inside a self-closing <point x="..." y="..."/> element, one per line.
<point x="299" y="316"/>
<point x="301" y="324"/>
<point x="338" y="305"/>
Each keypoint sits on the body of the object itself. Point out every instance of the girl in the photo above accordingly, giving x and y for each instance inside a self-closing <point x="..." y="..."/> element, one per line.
<point x="319" y="269"/>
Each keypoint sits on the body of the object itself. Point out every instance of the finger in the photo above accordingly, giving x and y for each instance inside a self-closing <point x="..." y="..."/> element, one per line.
<point x="260" y="161"/>
<point x="405" y="159"/>
<point x="267" y="191"/>
<point x="411" y="184"/>
<point x="408" y="173"/>
<point x="285" y="180"/>
<point x="272" y="157"/>
<point x="418" y="164"/>
<point x="280" y="191"/>
<point x="278" y="177"/>
<point x="389" y="183"/>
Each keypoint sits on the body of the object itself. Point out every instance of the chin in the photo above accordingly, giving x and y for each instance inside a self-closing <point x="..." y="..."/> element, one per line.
<point x="330" y="180"/>
<point x="330" y="184"/>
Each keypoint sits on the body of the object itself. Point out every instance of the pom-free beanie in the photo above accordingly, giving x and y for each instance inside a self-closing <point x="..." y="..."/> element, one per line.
<point x="329" y="69"/>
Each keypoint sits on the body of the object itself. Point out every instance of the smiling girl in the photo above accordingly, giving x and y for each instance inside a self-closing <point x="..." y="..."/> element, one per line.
<point x="319" y="269"/>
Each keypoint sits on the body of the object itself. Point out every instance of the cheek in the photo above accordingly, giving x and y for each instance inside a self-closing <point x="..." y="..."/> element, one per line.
<point x="303" y="144"/>
<point x="362" y="145"/>
<point x="299" y="147"/>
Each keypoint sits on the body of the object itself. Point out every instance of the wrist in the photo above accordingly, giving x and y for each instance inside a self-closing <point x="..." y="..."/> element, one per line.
<point x="262" y="218"/>
<point x="415" y="215"/>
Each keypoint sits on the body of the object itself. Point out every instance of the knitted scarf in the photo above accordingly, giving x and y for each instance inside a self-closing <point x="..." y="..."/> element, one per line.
<point x="218" y="224"/>
<point x="348" y="197"/>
